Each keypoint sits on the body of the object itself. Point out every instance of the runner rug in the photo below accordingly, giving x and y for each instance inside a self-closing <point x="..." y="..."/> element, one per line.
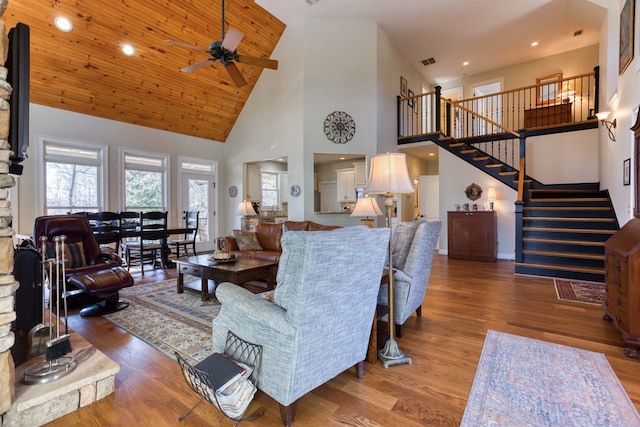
<point x="526" y="382"/>
<point x="168" y="321"/>
<point x="586" y="292"/>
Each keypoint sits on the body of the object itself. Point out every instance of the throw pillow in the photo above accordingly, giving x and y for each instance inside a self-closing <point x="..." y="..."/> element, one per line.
<point x="73" y="254"/>
<point x="247" y="240"/>
<point x="404" y="233"/>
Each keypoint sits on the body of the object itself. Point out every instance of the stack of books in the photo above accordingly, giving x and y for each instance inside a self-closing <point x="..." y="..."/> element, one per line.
<point x="230" y="379"/>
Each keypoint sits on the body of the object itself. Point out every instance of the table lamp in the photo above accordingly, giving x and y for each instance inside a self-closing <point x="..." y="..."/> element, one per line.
<point x="367" y="207"/>
<point x="491" y="195"/>
<point x="388" y="175"/>
<point x="245" y="208"/>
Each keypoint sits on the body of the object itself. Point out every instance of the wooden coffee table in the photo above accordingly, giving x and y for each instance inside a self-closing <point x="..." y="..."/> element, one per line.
<point x="240" y="271"/>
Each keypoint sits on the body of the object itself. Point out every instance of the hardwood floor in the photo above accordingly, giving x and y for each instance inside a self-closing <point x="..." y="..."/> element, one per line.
<point x="464" y="299"/>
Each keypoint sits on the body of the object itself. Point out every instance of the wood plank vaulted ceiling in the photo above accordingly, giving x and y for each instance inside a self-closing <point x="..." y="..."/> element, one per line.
<point x="84" y="71"/>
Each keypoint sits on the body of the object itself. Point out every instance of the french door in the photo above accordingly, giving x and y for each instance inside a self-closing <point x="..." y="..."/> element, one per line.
<point x="197" y="193"/>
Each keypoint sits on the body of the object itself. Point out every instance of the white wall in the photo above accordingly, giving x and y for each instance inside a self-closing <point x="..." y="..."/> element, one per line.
<point x="61" y="124"/>
<point x="324" y="66"/>
<point x="620" y="96"/>
<point x="563" y="158"/>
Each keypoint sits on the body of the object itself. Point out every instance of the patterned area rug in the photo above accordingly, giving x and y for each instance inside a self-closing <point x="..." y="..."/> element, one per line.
<point x="586" y="292"/>
<point x="168" y="321"/>
<point x="526" y="382"/>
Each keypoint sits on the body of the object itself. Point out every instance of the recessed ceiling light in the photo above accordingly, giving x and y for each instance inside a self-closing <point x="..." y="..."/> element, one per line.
<point x="128" y="50"/>
<point x="465" y="63"/>
<point x="534" y="44"/>
<point x="63" y="24"/>
<point x="431" y="154"/>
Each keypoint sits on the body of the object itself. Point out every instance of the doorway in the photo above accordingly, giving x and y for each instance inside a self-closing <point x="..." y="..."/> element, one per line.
<point x="487" y="106"/>
<point x="197" y="193"/>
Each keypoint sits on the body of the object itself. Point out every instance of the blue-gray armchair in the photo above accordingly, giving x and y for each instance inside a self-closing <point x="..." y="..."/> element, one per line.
<point x="320" y="321"/>
<point x="414" y="245"/>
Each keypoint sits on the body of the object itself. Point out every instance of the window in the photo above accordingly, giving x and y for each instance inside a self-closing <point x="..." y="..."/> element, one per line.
<point x="145" y="182"/>
<point x="73" y="177"/>
<point x="270" y="191"/>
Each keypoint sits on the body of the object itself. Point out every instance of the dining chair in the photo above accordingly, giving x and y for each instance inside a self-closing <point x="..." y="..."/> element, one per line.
<point x="105" y="226"/>
<point x="191" y="221"/>
<point x="149" y="240"/>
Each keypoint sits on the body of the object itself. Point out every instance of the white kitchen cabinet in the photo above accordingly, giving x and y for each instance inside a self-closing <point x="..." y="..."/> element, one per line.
<point x="346" y="187"/>
<point x="252" y="183"/>
<point x="284" y="187"/>
<point x="360" y="174"/>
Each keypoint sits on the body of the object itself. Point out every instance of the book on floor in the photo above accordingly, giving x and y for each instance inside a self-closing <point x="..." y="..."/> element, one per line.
<point x="222" y="370"/>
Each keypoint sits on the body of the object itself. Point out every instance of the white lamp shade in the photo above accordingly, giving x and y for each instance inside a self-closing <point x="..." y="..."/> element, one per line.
<point x="245" y="208"/>
<point x="491" y="194"/>
<point x="389" y="174"/>
<point x="602" y="115"/>
<point x="366" y="206"/>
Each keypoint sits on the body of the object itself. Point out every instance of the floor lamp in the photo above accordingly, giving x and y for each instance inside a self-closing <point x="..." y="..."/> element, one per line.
<point x="388" y="175"/>
<point x="245" y="208"/>
<point x="366" y="207"/>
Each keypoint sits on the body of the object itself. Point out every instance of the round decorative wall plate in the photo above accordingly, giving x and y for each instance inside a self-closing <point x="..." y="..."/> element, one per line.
<point x="339" y="127"/>
<point x="233" y="191"/>
<point x="473" y="192"/>
<point x="295" y="190"/>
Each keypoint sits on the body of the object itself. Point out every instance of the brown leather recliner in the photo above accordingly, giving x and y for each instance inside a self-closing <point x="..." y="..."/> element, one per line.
<point x="97" y="273"/>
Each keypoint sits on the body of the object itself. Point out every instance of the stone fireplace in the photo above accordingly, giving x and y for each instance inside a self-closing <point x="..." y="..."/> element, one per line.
<point x="7" y="283"/>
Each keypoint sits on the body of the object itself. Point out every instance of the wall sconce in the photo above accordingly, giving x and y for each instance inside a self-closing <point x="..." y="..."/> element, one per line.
<point x="602" y="116"/>
<point x="491" y="195"/>
<point x="245" y="208"/>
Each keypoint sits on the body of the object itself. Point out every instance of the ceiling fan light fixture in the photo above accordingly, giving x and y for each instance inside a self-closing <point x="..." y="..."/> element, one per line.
<point x="63" y="24"/>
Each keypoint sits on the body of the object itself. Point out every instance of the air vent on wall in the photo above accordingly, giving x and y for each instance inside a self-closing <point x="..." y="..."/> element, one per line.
<point x="577" y="33"/>
<point x="428" y="61"/>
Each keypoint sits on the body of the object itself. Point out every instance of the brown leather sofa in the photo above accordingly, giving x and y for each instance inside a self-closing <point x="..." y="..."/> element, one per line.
<point x="269" y="235"/>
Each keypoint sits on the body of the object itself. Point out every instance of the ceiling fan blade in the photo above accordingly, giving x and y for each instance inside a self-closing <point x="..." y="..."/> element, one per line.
<point x="197" y="65"/>
<point x="232" y="39"/>
<point x="235" y="74"/>
<point x="186" y="45"/>
<point x="272" y="64"/>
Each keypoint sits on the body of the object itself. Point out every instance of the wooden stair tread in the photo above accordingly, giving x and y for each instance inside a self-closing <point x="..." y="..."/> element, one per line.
<point x="457" y="144"/>
<point x="494" y="165"/>
<point x="560" y="190"/>
<point x="562" y="267"/>
<point x="505" y="173"/>
<point x="481" y="158"/>
<point x="562" y="241"/>
<point x="598" y="257"/>
<point x="468" y="151"/>
<point x="570" y="199"/>
<point x="572" y="219"/>
<point x="569" y="230"/>
<point x="566" y="208"/>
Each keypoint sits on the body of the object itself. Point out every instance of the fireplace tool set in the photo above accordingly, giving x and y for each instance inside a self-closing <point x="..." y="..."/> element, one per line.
<point x="56" y="362"/>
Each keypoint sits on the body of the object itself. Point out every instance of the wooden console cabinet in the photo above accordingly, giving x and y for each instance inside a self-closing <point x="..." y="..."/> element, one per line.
<point x="622" y="279"/>
<point x="547" y="116"/>
<point x="472" y="235"/>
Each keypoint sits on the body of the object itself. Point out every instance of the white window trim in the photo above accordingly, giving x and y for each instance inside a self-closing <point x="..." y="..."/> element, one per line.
<point x="41" y="141"/>
<point x="278" y="189"/>
<point x="214" y="174"/>
<point x="124" y="151"/>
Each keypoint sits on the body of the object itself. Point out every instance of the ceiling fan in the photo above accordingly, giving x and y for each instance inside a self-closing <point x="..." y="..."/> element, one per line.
<point x="225" y="52"/>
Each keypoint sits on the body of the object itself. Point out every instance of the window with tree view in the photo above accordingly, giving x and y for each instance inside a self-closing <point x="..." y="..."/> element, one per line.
<point x="145" y="182"/>
<point x="73" y="177"/>
<point x="270" y="193"/>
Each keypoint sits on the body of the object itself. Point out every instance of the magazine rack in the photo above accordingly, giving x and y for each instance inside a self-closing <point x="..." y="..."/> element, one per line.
<point x="200" y="382"/>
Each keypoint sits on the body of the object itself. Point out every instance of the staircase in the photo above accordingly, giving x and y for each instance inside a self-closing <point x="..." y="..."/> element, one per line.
<point x="564" y="228"/>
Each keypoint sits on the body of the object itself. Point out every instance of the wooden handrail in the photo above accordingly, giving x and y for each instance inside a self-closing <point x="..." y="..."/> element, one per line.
<point x="456" y="105"/>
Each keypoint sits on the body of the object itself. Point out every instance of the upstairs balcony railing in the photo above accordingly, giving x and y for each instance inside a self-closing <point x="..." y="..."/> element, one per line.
<point x="553" y="102"/>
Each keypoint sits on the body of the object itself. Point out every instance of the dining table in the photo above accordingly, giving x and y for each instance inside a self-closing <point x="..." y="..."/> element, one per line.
<point x="135" y="232"/>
